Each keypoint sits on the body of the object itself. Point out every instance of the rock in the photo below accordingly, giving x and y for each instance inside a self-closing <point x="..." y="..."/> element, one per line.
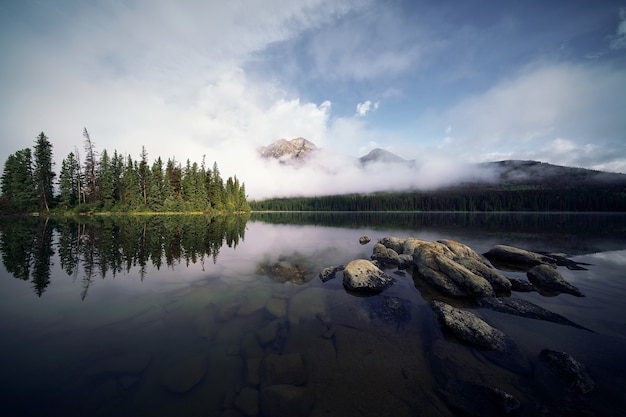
<point x="569" y="369"/>
<point x="521" y="285"/>
<point x="286" y="401"/>
<point x="469" y="328"/>
<point x="248" y="401"/>
<point x="329" y="273"/>
<point x="283" y="369"/>
<point x="476" y="399"/>
<point x="183" y="376"/>
<point x="441" y="264"/>
<point x="362" y="276"/>
<point x="435" y="266"/>
<point x="267" y="334"/>
<point x="510" y="258"/>
<point x="499" y="282"/>
<point x="548" y="278"/>
<point x="307" y="304"/>
<point x="276" y="307"/>
<point x="294" y="268"/>
<point x="523" y="308"/>
<point x="364" y="240"/>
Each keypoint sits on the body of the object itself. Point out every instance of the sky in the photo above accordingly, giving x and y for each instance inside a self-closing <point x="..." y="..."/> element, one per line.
<point x="446" y="83"/>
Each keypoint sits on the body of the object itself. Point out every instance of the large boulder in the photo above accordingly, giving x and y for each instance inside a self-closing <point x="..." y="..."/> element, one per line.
<point x="510" y="258"/>
<point x="452" y="268"/>
<point x="548" y="279"/>
<point x="468" y="328"/>
<point x="363" y="276"/>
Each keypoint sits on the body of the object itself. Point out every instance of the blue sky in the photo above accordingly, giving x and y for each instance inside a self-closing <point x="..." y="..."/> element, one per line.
<point x="445" y="83"/>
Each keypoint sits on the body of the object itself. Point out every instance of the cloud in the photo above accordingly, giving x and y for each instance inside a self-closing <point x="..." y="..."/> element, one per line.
<point x="363" y="108"/>
<point x="619" y="39"/>
<point x="542" y="105"/>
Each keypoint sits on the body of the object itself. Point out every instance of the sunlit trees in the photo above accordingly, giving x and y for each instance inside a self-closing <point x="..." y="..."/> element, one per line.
<point x="113" y="183"/>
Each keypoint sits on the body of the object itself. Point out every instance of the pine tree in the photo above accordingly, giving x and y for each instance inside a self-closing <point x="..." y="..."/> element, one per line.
<point x="106" y="183"/>
<point x="18" y="185"/>
<point x="43" y="174"/>
<point x="69" y="182"/>
<point x="91" y="162"/>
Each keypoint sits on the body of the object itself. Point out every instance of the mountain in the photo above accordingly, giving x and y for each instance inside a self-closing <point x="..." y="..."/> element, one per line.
<point x="515" y="172"/>
<point x="381" y="155"/>
<point x="286" y="150"/>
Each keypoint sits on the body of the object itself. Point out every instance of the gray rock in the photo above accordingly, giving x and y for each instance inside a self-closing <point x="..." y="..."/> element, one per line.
<point x="568" y="369"/>
<point x="329" y="273"/>
<point x="364" y="240"/>
<point x="548" y="279"/>
<point x="469" y="328"/>
<point x="286" y="401"/>
<point x="510" y="258"/>
<point x="499" y="282"/>
<point x="363" y="276"/>
<point x="523" y="308"/>
<point x="521" y="285"/>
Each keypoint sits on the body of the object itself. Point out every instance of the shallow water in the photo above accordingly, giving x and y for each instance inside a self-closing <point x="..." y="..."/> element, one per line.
<point x="201" y="317"/>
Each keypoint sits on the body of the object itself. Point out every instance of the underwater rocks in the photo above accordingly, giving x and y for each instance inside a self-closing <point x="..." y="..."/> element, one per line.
<point x="183" y="376"/>
<point x="568" y="369"/>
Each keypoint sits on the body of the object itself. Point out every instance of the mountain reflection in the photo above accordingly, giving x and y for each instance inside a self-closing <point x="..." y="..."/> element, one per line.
<point x="107" y="245"/>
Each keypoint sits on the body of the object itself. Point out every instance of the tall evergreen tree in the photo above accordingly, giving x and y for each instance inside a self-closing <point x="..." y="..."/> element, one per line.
<point x="43" y="174"/>
<point x="69" y="182"/>
<point x="91" y="168"/>
<point x="106" y="183"/>
<point x="18" y="185"/>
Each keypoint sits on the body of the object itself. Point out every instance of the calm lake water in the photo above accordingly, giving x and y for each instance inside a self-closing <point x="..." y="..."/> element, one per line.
<point x="192" y="316"/>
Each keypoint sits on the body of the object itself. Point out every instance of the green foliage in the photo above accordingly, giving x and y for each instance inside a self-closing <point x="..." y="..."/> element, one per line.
<point x="114" y="183"/>
<point x="589" y="198"/>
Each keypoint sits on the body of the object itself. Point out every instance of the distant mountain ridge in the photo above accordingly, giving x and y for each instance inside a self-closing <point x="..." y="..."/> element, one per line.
<point x="506" y="172"/>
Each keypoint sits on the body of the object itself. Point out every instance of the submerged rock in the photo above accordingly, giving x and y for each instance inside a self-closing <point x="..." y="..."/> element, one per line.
<point x="183" y="376"/>
<point x="548" y="279"/>
<point x="363" y="276"/>
<point x="469" y="328"/>
<point x="523" y="308"/>
<point x="286" y="401"/>
<point x="248" y="401"/>
<point x="568" y="369"/>
<point x="283" y="369"/>
<point x="475" y="399"/>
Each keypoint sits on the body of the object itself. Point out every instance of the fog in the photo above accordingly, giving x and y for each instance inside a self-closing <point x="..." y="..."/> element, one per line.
<point x="327" y="173"/>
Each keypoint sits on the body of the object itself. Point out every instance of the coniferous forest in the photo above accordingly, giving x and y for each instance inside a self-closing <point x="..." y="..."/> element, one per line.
<point x="97" y="181"/>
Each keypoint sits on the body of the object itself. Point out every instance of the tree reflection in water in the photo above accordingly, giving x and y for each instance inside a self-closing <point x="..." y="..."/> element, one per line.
<point x="91" y="247"/>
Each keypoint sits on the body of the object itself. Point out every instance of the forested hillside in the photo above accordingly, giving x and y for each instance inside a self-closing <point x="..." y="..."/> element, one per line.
<point x="608" y="197"/>
<point x="100" y="181"/>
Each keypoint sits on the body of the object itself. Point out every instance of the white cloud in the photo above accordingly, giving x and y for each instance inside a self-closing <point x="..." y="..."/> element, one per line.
<point x="365" y="107"/>
<point x="543" y="105"/>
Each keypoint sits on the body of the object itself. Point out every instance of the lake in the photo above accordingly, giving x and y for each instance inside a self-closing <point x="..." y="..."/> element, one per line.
<point x="227" y="316"/>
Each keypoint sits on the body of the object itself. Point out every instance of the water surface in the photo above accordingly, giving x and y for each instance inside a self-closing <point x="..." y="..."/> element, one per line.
<point x="197" y="316"/>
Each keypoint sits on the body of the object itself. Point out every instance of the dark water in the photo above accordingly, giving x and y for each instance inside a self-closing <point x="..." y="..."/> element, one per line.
<point x="193" y="316"/>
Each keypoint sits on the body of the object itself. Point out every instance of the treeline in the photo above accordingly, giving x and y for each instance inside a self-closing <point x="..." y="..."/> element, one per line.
<point x="519" y="198"/>
<point x="100" y="181"/>
<point x="94" y="247"/>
